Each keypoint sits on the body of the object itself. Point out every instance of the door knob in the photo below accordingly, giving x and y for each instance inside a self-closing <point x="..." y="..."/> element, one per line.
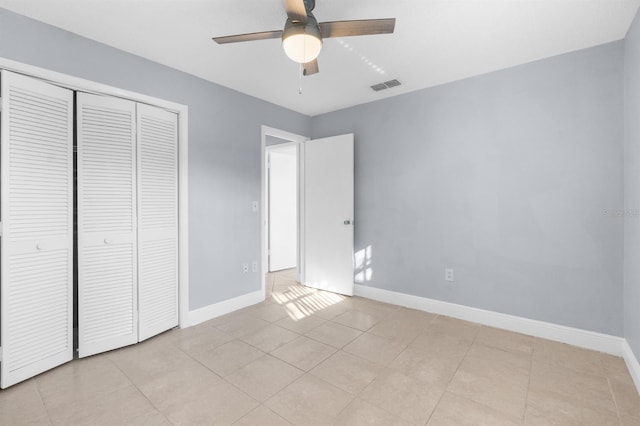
<point x="347" y="222"/>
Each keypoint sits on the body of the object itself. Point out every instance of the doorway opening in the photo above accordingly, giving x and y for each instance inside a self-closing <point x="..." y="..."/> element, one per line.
<point x="282" y="205"/>
<point x="282" y="195"/>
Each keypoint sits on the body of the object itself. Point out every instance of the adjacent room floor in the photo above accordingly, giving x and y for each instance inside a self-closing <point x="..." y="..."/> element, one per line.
<point x="305" y="357"/>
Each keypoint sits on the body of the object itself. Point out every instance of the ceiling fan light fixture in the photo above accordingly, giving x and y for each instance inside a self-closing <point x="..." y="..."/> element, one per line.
<point x="302" y="42"/>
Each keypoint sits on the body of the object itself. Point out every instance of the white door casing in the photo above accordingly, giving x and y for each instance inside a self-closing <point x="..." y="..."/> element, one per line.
<point x="107" y="260"/>
<point x="36" y="289"/>
<point x="328" y="214"/>
<point x="283" y="208"/>
<point x="157" y="220"/>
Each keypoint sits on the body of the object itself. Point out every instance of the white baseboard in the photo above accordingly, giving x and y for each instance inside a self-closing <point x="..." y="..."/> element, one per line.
<point x="632" y="363"/>
<point x="207" y="313"/>
<point x="559" y="333"/>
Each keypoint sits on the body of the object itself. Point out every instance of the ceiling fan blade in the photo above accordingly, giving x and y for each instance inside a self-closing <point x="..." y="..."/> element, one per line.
<point x="356" y="28"/>
<point x="310" y="68"/>
<point x="296" y="10"/>
<point x="248" y="37"/>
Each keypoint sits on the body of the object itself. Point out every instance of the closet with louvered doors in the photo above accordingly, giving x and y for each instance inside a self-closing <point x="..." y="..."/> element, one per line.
<point x="127" y="222"/>
<point x="36" y="209"/>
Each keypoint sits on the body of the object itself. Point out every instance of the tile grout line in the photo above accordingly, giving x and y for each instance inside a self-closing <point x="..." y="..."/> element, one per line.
<point x="526" y="400"/>
<point x="452" y="377"/>
<point x="335" y="323"/>
<point x="226" y="381"/>
<point x="188" y="354"/>
<point x="267" y="353"/>
<point x="357" y="394"/>
<point x="254" y="399"/>
<point x="46" y="409"/>
<point x="270" y="353"/>
<point x="277" y="347"/>
<point x="382" y="367"/>
<point x="267" y="408"/>
<point x="239" y="368"/>
<point x="315" y="377"/>
<point x="615" y="402"/>
<point x="334" y="386"/>
<point x="139" y="390"/>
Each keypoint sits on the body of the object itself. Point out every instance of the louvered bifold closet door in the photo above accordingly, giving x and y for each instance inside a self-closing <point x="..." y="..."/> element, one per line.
<point x="36" y="288"/>
<point x="107" y="265"/>
<point x="157" y="220"/>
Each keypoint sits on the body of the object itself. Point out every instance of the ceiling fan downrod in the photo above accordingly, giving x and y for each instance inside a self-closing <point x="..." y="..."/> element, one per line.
<point x="309" y="5"/>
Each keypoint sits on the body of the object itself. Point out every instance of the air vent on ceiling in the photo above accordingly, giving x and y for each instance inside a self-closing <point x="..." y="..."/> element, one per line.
<point x="386" y="85"/>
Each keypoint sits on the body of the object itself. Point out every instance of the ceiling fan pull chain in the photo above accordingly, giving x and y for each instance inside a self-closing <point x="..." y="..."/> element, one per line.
<point x="300" y="78"/>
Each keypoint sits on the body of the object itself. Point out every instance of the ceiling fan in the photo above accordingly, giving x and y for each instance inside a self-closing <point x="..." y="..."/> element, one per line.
<point x="302" y="34"/>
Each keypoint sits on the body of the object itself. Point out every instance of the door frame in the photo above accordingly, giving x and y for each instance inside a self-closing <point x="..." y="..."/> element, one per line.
<point x="88" y="86"/>
<point x="299" y="141"/>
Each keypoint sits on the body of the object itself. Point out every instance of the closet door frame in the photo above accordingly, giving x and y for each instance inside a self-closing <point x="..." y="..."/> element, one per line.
<point x="186" y="318"/>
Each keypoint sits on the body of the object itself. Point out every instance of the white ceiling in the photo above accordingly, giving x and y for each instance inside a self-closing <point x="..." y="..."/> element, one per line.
<point x="436" y="41"/>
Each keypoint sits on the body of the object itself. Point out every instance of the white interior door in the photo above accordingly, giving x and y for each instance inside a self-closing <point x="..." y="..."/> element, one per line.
<point x="157" y="220"/>
<point x="107" y="261"/>
<point x="283" y="208"/>
<point x="36" y="289"/>
<point x="328" y="214"/>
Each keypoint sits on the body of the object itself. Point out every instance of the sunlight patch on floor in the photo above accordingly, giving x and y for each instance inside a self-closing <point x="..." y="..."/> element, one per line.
<point x="301" y="302"/>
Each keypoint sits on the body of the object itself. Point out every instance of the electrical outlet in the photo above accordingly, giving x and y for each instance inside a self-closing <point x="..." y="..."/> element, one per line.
<point x="448" y="275"/>
<point x="254" y="266"/>
<point x="245" y="268"/>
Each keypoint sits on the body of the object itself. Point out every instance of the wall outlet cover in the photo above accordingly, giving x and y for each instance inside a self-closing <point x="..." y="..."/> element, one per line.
<point x="448" y="275"/>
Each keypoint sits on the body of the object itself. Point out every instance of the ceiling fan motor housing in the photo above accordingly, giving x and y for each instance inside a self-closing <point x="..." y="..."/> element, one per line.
<point x="302" y="41"/>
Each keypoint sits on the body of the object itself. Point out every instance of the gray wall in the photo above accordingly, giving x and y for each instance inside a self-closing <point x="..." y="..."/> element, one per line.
<point x="632" y="188"/>
<point x="514" y="179"/>
<point x="272" y="140"/>
<point x="224" y="146"/>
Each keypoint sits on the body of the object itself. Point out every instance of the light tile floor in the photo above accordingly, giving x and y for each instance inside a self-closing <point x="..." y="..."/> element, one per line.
<point x="306" y="357"/>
